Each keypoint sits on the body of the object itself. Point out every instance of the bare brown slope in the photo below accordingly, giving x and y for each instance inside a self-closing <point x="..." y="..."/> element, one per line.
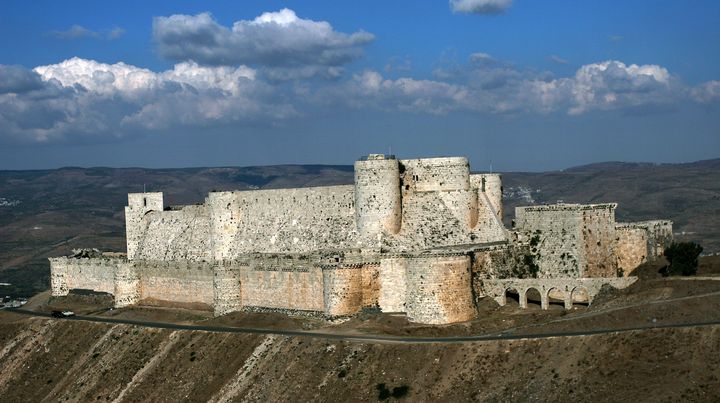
<point x="55" y="360"/>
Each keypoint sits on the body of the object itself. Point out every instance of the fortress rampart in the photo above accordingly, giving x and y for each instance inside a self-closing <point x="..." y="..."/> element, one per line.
<point x="422" y="237"/>
<point x="570" y="239"/>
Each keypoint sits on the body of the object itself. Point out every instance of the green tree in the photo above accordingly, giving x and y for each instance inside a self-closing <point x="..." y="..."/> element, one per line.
<point x="683" y="259"/>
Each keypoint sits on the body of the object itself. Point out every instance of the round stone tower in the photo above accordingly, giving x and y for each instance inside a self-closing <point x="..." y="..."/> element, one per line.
<point x="378" y="205"/>
<point x="492" y="187"/>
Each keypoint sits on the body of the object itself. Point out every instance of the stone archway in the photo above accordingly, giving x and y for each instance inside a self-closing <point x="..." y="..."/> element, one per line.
<point x="580" y="296"/>
<point x="533" y="297"/>
<point x="556" y="297"/>
<point x="511" y="297"/>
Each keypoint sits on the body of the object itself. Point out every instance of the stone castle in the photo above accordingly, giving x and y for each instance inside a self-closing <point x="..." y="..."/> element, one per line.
<point x="422" y="237"/>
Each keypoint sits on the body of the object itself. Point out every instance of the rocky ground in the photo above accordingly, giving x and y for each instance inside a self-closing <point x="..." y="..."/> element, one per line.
<point x="47" y="359"/>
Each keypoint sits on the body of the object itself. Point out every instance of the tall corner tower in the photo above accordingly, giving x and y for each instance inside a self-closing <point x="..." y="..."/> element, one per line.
<point x="378" y="204"/>
<point x="139" y="204"/>
<point x="491" y="185"/>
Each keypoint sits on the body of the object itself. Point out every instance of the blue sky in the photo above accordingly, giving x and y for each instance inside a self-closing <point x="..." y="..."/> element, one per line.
<point x="526" y="85"/>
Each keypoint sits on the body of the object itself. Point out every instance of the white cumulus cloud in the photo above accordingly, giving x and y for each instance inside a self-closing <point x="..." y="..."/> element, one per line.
<point x="487" y="85"/>
<point x="85" y="98"/>
<point x="707" y="92"/>
<point x="278" y="40"/>
<point x="479" y="6"/>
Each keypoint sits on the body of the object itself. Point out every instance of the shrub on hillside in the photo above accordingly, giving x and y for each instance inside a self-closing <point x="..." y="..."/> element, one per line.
<point x="683" y="259"/>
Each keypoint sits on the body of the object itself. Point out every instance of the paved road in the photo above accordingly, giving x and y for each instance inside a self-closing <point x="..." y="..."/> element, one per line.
<point x="364" y="338"/>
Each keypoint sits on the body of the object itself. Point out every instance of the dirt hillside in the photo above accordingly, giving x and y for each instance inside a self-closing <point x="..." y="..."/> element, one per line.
<point x="56" y="360"/>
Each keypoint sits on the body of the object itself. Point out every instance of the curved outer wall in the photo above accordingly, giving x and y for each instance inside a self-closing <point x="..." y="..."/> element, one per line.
<point x="377" y="197"/>
<point x="342" y="290"/>
<point x="439" y="290"/>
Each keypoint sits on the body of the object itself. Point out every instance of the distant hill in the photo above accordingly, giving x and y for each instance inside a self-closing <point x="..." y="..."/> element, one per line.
<point x="48" y="212"/>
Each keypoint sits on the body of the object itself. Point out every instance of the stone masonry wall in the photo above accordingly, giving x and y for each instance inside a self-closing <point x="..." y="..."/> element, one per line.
<point x="631" y="248"/>
<point x="275" y="287"/>
<point x="127" y="284"/>
<point x="392" y="284"/>
<point x="370" y="274"/>
<point x="659" y="235"/>
<point x="282" y="221"/>
<point x="228" y="287"/>
<point x="87" y="274"/>
<point x="599" y="240"/>
<point x="377" y="197"/>
<point x="439" y="289"/>
<point x="554" y="237"/>
<point x="139" y="204"/>
<point x="342" y="289"/>
<point x="181" y="234"/>
<point x="491" y="185"/>
<point x="176" y="281"/>
<point x="570" y="240"/>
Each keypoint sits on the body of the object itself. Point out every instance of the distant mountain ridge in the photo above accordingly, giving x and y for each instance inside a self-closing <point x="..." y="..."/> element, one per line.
<point x="48" y="212"/>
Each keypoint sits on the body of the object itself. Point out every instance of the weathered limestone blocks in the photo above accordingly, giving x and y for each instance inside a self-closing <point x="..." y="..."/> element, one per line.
<point x="58" y="277"/>
<point x="127" y="284"/>
<point x="632" y="248"/>
<point x="393" y="288"/>
<point x="439" y="289"/>
<point x="181" y="281"/>
<point x="274" y="287"/>
<point x="227" y="286"/>
<point x="342" y="290"/>
<point x="570" y="240"/>
<point x="139" y="204"/>
<point x="490" y="185"/>
<point x="299" y="220"/>
<point x="377" y="196"/>
<point x="436" y="174"/>
<point x="96" y="274"/>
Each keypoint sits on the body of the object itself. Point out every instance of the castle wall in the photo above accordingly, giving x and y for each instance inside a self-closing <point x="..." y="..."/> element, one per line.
<point x="370" y="284"/>
<point x="393" y="289"/>
<point x="439" y="289"/>
<point x="599" y="240"/>
<point x="127" y="284"/>
<point x="282" y="221"/>
<point x="180" y="234"/>
<point x="631" y="248"/>
<point x="377" y="196"/>
<point x="491" y="186"/>
<point x="449" y="180"/>
<point x="436" y="174"/>
<point x="86" y="274"/>
<point x="342" y="289"/>
<point x="176" y="281"/>
<point x="139" y="204"/>
<point x="273" y="286"/>
<point x="570" y="240"/>
<point x="554" y="236"/>
<point x="659" y="235"/>
<point x="228" y="287"/>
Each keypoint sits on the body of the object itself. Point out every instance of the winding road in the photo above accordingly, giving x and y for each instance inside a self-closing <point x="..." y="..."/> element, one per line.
<point x="365" y="337"/>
